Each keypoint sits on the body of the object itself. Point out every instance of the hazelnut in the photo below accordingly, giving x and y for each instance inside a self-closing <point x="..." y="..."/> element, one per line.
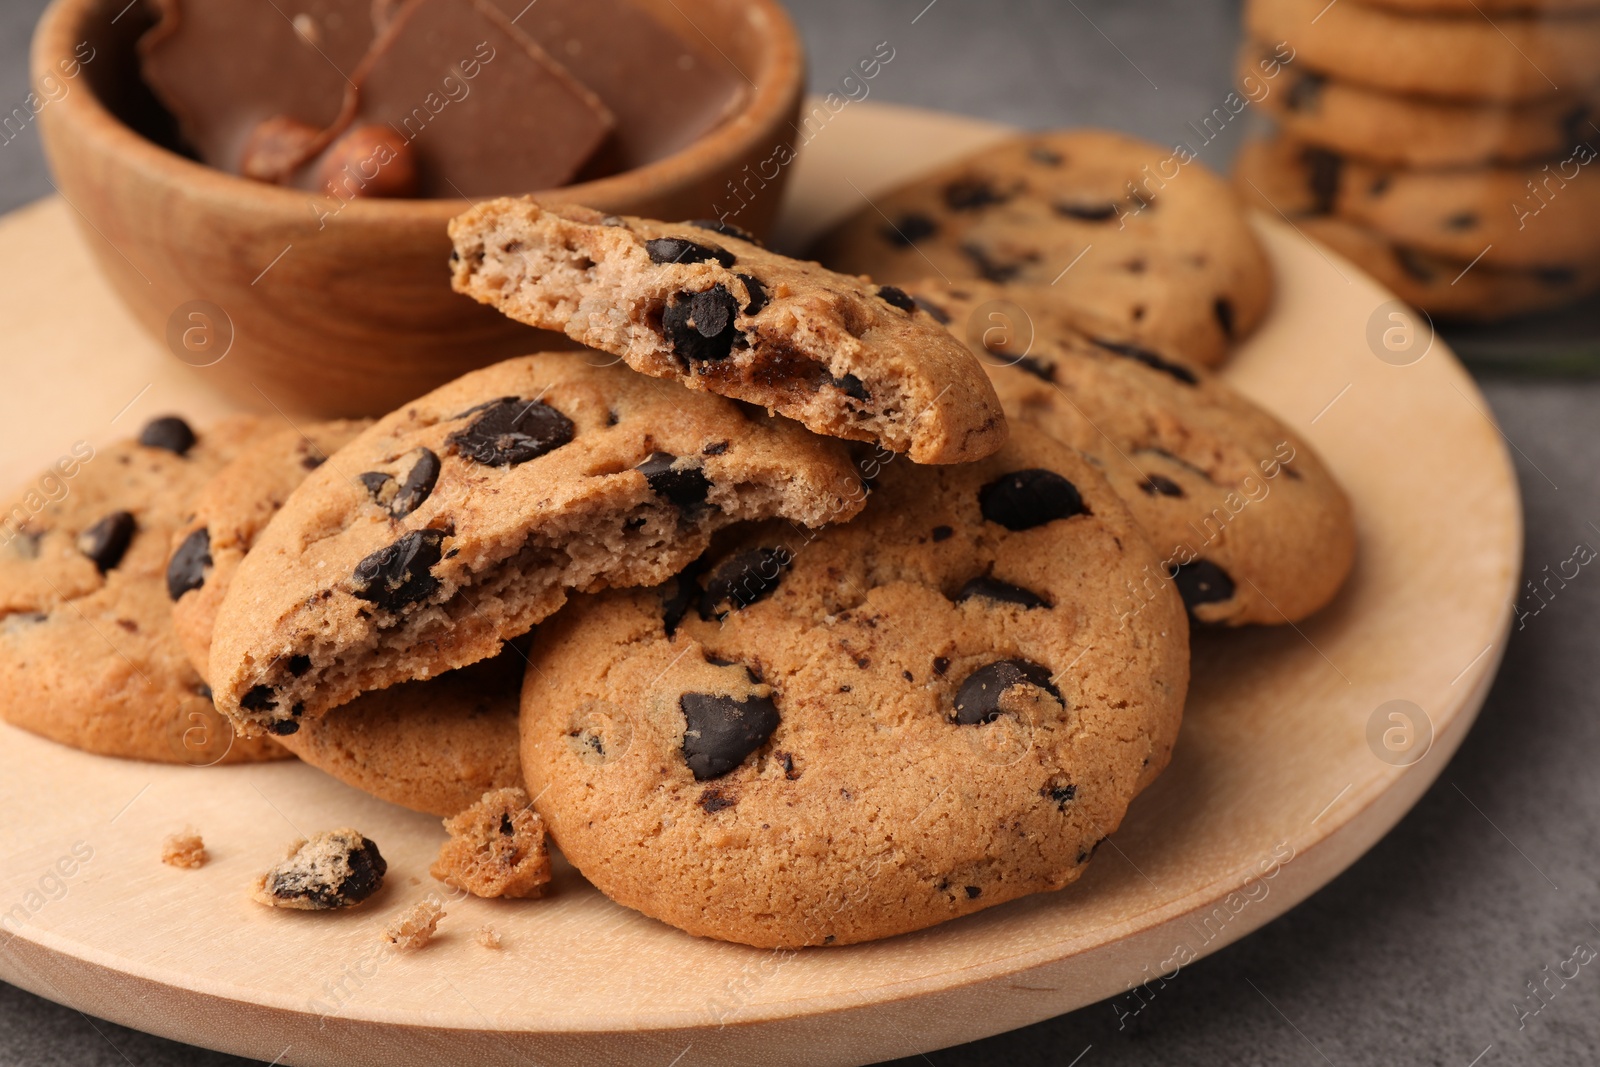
<point x="276" y="147"/>
<point x="368" y="161"/>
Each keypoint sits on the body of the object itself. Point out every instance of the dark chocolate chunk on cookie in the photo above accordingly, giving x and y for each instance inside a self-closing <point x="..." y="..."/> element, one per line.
<point x="720" y="731"/>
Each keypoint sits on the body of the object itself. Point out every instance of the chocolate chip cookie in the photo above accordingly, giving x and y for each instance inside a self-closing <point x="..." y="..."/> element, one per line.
<point x="1144" y="237"/>
<point x="228" y="515"/>
<point x="1459" y="57"/>
<point x="814" y="739"/>
<point x="1487" y="216"/>
<point x="721" y="314"/>
<point x="1415" y="131"/>
<point x="435" y="746"/>
<point x="88" y="655"/>
<point x="461" y="520"/>
<point x="1247" y="521"/>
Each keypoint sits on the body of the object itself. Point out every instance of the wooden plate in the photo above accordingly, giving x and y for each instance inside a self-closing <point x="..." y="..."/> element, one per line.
<point x="1288" y="768"/>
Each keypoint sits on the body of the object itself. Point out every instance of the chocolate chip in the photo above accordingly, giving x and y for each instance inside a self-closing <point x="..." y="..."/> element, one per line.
<point x="107" y="540"/>
<point x="367" y="868"/>
<point x="1138" y="354"/>
<point x="378" y="486"/>
<point x="283" y="727"/>
<point x="714" y="800"/>
<point x="912" y="227"/>
<point x="1416" y="264"/>
<point x="1024" y="499"/>
<point x="993" y="269"/>
<point x="852" y="386"/>
<point x="898" y="297"/>
<point x="1306" y="93"/>
<point x="940" y="665"/>
<point x="1085" y="211"/>
<point x="299" y="665"/>
<point x="978" y="699"/>
<point x="1060" y="792"/>
<point x="678" y="250"/>
<point x="400" y="574"/>
<point x="168" y="432"/>
<point x="1048" y="156"/>
<point x="511" y="430"/>
<point x="940" y="315"/>
<point x="699" y="326"/>
<point x="1201" y="582"/>
<point x="743" y="579"/>
<point x="716" y="448"/>
<point x="418" y="484"/>
<point x="1380" y="185"/>
<point x="1222" y="308"/>
<point x="973" y="892"/>
<point x="758" y="294"/>
<point x="1322" y="177"/>
<point x="1042" y="369"/>
<point x="1002" y="592"/>
<point x="720" y="731"/>
<point x="311" y="462"/>
<point x="786" y="761"/>
<point x="259" y="698"/>
<point x="1160" y="485"/>
<point x="727" y="229"/>
<point x="186" y="569"/>
<point x="1556" y="277"/>
<point x="970" y="194"/>
<point x="1462" y="220"/>
<point x="942" y="533"/>
<point x="684" y="487"/>
<point x="678" y="593"/>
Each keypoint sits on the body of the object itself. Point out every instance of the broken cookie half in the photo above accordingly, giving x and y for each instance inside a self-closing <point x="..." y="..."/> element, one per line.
<point x="460" y="521"/>
<point x="845" y="357"/>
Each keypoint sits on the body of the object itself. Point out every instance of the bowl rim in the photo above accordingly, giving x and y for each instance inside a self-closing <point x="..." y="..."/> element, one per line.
<point x="781" y="85"/>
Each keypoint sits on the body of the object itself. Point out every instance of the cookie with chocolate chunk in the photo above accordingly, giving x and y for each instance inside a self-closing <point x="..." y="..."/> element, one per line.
<point x="1140" y="236"/>
<point x="1248" y="522"/>
<point x="723" y="315"/>
<point x="88" y="653"/>
<point x="1416" y="131"/>
<point x="814" y="739"/>
<point x="1484" y="217"/>
<point x="1397" y="47"/>
<point x="461" y="520"/>
<point x="228" y="515"/>
<point x="333" y="869"/>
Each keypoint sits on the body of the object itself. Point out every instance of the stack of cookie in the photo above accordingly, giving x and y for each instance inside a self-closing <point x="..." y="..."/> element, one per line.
<point x="1442" y="145"/>
<point x="803" y="620"/>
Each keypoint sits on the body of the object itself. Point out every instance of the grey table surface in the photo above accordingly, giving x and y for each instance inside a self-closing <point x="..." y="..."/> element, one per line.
<point x="1422" y="952"/>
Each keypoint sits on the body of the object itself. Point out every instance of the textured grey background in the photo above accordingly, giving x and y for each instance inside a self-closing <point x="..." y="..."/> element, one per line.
<point x="1419" y="954"/>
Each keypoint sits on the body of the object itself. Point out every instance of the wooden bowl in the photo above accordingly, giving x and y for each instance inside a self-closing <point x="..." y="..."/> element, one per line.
<point x="351" y="314"/>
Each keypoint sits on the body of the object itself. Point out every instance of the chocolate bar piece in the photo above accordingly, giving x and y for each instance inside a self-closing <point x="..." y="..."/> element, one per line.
<point x="479" y="109"/>
<point x="225" y="67"/>
<point x="665" y="89"/>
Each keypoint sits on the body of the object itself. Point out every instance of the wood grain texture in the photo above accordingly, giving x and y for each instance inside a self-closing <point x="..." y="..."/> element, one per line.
<point x="1273" y="758"/>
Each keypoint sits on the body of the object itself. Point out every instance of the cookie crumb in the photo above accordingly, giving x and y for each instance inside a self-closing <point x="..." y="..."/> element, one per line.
<point x="496" y="848"/>
<point x="414" y="927"/>
<point x="184" y="849"/>
<point x="334" y="869"/>
<point x="489" y="937"/>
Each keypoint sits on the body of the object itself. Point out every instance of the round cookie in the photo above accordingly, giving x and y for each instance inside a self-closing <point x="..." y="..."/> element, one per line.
<point x="1445" y="288"/>
<point x="435" y="746"/>
<point x="1139" y="236"/>
<point x="463" y="519"/>
<point x="1459" y="214"/>
<point x="1413" y="131"/>
<point x="697" y="303"/>
<point x="88" y="656"/>
<point x="1246" y="520"/>
<point x="1459" y="57"/>
<point x="229" y="513"/>
<point x="824" y="739"/>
